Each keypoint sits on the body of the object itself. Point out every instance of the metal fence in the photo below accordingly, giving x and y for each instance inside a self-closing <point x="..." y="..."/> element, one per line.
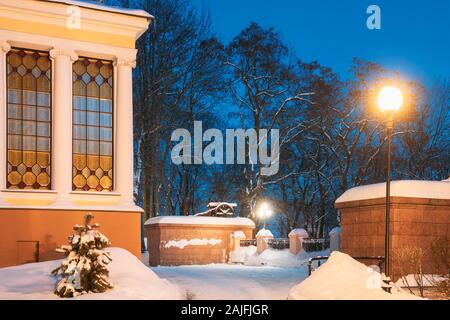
<point x="278" y="243"/>
<point x="311" y="245"/>
<point x="248" y="242"/>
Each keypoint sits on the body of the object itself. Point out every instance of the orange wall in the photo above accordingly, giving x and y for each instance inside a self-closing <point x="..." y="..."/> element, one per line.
<point x="53" y="227"/>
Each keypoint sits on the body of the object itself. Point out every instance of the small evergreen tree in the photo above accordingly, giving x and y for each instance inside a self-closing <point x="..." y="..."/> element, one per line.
<point x="84" y="268"/>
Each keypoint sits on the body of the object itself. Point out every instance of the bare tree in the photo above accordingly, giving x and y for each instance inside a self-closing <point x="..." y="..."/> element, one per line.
<point x="262" y="88"/>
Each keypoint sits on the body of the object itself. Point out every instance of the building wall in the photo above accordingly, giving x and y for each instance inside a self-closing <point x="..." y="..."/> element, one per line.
<point x="159" y="234"/>
<point x="414" y="222"/>
<point x="47" y="216"/>
<point x="52" y="229"/>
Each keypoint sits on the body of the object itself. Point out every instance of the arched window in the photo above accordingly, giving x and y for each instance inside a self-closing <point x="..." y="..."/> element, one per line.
<point x="28" y="119"/>
<point x="92" y="165"/>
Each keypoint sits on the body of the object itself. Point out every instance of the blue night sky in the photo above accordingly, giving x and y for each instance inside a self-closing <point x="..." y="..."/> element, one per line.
<point x="414" y="35"/>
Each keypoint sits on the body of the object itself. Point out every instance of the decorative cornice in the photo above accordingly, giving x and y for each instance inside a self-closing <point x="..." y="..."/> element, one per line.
<point x="50" y="19"/>
<point x="63" y="52"/>
<point x="5" y="46"/>
<point x="127" y="62"/>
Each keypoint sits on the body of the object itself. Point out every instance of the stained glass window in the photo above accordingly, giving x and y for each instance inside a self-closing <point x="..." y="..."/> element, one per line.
<point x="92" y="165"/>
<point x="29" y="119"/>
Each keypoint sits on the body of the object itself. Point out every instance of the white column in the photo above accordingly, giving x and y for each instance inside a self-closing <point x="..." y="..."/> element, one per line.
<point x="4" y="48"/>
<point x="123" y="144"/>
<point x="62" y="123"/>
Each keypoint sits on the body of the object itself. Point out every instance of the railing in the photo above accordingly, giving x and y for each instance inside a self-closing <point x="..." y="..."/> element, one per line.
<point x="248" y="242"/>
<point x="380" y="260"/>
<point x="278" y="243"/>
<point x="311" y="245"/>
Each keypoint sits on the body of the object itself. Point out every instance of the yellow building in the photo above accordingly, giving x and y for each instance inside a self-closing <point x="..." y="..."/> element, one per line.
<point x="66" y="124"/>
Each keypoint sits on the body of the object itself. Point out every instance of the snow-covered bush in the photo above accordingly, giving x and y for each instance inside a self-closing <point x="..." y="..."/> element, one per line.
<point x="84" y="268"/>
<point x="440" y="249"/>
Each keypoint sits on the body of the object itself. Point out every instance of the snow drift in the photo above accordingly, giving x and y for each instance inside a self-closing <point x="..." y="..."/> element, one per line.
<point x="342" y="277"/>
<point x="131" y="279"/>
<point x="273" y="258"/>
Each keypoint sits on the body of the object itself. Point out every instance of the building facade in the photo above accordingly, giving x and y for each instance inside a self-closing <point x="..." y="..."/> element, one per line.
<point x="66" y="124"/>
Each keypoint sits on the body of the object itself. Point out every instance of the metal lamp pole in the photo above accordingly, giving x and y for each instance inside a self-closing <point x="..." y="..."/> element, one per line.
<point x="389" y="127"/>
<point x="390" y="99"/>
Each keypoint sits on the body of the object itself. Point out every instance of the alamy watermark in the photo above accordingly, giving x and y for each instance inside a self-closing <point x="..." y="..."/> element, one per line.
<point x="73" y="17"/>
<point x="373" y="21"/>
<point x="241" y="147"/>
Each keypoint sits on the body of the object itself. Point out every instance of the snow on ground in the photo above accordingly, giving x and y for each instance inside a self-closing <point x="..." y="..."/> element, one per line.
<point x="429" y="280"/>
<point x="401" y="188"/>
<point x="274" y="258"/>
<point x="231" y="281"/>
<point x="342" y="277"/>
<point x="131" y="279"/>
<point x="269" y="275"/>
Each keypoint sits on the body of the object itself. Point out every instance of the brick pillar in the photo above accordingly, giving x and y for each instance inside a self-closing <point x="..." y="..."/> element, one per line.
<point x="237" y="236"/>
<point x="262" y="238"/>
<point x="296" y="237"/>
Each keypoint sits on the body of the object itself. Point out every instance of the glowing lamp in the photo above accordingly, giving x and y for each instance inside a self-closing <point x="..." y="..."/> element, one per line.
<point x="390" y="99"/>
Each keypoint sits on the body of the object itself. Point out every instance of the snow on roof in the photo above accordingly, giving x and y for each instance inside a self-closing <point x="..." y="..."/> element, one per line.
<point x="236" y="221"/>
<point x="264" y="233"/>
<point x="401" y="188"/>
<point x="97" y="6"/>
<point x="342" y="277"/>
<point x="216" y="204"/>
<point x="299" y="232"/>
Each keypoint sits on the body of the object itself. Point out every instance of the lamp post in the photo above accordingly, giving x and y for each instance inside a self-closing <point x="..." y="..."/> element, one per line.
<point x="390" y="99"/>
<point x="264" y="212"/>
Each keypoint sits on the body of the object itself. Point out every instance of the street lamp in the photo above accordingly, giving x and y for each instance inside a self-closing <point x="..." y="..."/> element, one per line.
<point x="390" y="99"/>
<point x="264" y="212"/>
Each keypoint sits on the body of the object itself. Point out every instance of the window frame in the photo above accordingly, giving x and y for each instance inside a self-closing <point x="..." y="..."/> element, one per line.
<point x="50" y="122"/>
<point x="111" y="190"/>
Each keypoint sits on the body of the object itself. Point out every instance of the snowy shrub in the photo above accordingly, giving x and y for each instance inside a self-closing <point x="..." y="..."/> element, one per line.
<point x="410" y="260"/>
<point x="440" y="249"/>
<point x="84" y="268"/>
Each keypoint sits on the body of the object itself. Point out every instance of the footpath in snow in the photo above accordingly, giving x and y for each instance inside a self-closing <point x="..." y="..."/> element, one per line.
<point x="269" y="275"/>
<point x="228" y="282"/>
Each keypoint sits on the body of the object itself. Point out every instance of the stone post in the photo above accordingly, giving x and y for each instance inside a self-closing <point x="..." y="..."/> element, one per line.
<point x="124" y="131"/>
<point x="296" y="237"/>
<point x="335" y="239"/>
<point x="262" y="238"/>
<point x="237" y="237"/>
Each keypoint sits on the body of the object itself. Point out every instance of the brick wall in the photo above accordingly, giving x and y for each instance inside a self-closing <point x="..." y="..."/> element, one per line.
<point x="413" y="222"/>
<point x="158" y="236"/>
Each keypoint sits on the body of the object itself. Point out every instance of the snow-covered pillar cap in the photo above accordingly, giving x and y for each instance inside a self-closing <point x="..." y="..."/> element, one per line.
<point x="299" y="232"/>
<point x="239" y="235"/>
<point x="264" y="233"/>
<point x="335" y="230"/>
